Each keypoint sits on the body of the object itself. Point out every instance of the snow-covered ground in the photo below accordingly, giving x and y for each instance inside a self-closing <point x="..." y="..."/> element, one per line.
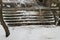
<point x="31" y="33"/>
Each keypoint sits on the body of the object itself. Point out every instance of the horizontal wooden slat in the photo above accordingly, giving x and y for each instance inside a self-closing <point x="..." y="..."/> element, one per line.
<point x="32" y="22"/>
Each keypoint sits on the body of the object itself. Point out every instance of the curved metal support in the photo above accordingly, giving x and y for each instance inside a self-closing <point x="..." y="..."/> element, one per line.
<point x="2" y="21"/>
<point x="54" y="14"/>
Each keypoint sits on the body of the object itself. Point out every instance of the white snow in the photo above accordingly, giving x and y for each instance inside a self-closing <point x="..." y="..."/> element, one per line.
<point x="26" y="1"/>
<point x="32" y="33"/>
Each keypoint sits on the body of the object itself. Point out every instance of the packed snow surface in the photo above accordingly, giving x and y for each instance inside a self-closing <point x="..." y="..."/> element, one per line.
<point x="32" y="33"/>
